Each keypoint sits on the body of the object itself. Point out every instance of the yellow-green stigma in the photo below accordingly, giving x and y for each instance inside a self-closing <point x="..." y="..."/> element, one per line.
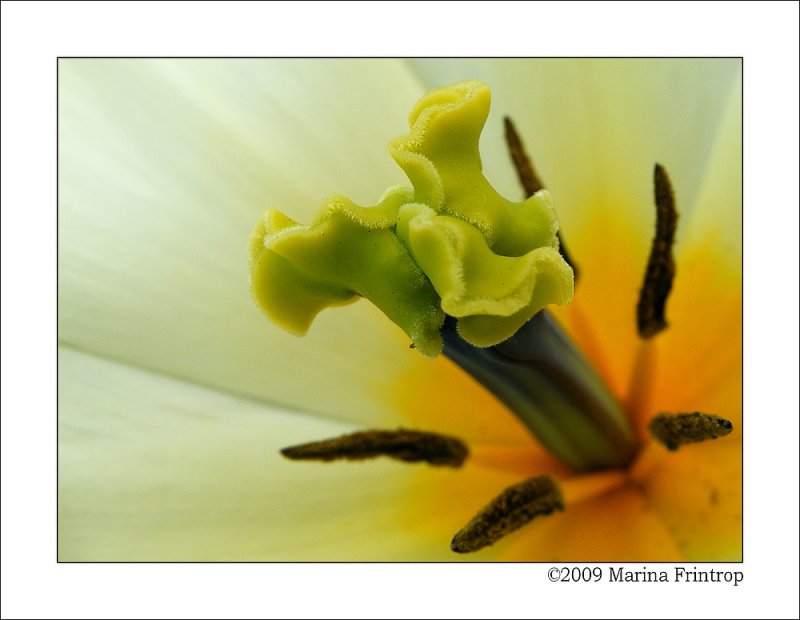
<point x="448" y="245"/>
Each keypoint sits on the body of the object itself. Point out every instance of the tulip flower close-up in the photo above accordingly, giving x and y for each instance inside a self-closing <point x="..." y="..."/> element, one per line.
<point x="546" y="364"/>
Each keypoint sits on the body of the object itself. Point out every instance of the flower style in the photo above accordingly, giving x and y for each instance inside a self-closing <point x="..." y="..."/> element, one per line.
<point x="175" y="396"/>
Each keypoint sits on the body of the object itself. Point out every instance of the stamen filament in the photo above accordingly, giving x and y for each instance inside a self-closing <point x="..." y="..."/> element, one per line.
<point x="510" y="510"/>
<point x="677" y="429"/>
<point x="640" y="389"/>
<point x="403" y="445"/>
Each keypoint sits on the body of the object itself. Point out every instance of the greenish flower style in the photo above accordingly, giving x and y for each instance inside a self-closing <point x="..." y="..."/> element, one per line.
<point x="447" y="245"/>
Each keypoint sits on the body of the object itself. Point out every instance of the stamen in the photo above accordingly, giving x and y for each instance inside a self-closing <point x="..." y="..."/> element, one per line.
<point x="676" y="429"/>
<point x="510" y="510"/>
<point x="528" y="178"/>
<point x="530" y="181"/>
<point x="403" y="445"/>
<point x="660" y="272"/>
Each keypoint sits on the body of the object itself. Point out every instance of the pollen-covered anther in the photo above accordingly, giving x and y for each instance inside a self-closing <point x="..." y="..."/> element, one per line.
<point x="676" y="429"/>
<point x="650" y="311"/>
<point x="513" y="508"/>
<point x="403" y="445"/>
<point x="528" y="178"/>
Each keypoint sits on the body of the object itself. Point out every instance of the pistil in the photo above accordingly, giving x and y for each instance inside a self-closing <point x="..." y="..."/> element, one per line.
<point x="550" y="386"/>
<point x="466" y="272"/>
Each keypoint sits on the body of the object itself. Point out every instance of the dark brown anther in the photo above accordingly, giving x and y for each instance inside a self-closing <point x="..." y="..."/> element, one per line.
<point x="530" y="181"/>
<point x="528" y="178"/>
<point x="650" y="319"/>
<point x="510" y="510"/>
<point x="677" y="429"/>
<point x="403" y="445"/>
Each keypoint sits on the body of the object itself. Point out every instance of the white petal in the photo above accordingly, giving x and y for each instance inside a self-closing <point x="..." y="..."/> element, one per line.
<point x="165" y="166"/>
<point x="151" y="468"/>
<point x="716" y="220"/>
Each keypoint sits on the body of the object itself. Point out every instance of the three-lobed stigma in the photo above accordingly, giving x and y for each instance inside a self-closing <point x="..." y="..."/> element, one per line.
<point x="448" y="245"/>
